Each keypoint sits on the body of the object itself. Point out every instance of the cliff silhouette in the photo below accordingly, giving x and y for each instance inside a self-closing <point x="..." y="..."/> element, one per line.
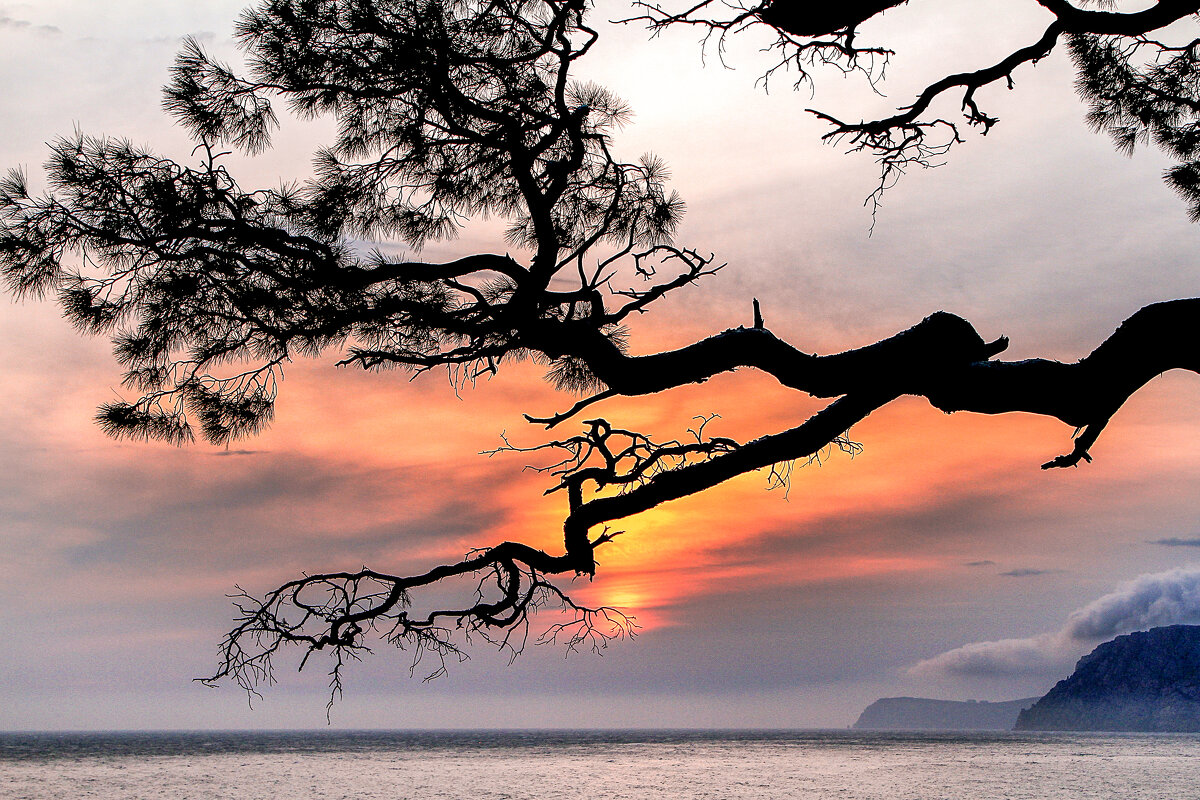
<point x="924" y="714"/>
<point x="1145" y="681"/>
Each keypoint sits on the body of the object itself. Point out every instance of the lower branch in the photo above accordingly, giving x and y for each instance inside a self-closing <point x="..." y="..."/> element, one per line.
<point x="338" y="612"/>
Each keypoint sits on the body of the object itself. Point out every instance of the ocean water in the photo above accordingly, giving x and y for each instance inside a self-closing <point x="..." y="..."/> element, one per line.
<point x="588" y="765"/>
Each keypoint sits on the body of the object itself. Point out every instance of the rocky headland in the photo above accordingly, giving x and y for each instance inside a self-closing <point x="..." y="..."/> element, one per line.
<point x="924" y="714"/>
<point x="1145" y="681"/>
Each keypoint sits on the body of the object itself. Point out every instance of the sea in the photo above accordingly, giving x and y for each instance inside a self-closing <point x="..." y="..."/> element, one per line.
<point x="598" y="765"/>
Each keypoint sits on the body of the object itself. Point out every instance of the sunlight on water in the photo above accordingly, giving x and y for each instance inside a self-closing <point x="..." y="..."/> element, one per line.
<point x="598" y="766"/>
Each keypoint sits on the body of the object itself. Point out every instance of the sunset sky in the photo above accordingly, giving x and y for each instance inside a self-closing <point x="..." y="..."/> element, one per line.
<point x="939" y="562"/>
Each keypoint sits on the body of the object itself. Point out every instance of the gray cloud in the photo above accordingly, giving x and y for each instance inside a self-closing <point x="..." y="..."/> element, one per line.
<point x="1175" y="541"/>
<point x="1037" y="654"/>
<point x="167" y="512"/>
<point x="968" y="517"/>
<point x="983" y="563"/>
<point x="313" y="510"/>
<point x="22" y="24"/>
<point x="1147" y="601"/>
<point x="1029" y="572"/>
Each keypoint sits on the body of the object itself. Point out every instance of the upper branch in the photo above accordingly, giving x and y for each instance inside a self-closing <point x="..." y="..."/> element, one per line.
<point x="908" y="119"/>
<point x="916" y="135"/>
<point x="901" y="140"/>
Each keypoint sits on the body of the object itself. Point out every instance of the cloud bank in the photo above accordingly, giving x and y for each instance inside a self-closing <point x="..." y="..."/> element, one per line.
<point x="1147" y="601"/>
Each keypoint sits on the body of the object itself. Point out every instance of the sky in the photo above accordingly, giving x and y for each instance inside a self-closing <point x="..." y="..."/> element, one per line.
<point x="938" y="562"/>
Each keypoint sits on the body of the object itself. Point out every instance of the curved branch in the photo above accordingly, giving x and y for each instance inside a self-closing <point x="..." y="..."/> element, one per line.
<point x="1085" y="394"/>
<point x="428" y="272"/>
<point x="551" y="421"/>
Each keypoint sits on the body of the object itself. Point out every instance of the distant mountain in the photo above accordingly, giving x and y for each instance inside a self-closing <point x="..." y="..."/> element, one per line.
<point x="1147" y="681"/>
<point x="923" y="714"/>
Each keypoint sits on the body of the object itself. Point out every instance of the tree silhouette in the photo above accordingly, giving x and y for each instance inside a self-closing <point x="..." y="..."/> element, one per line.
<point x="449" y="110"/>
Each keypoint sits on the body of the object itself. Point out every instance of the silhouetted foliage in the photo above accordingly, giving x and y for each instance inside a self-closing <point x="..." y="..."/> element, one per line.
<point x="449" y="110"/>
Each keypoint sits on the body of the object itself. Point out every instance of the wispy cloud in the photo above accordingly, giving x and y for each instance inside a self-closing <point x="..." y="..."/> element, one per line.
<point x="205" y="37"/>
<point x="12" y="23"/>
<point x="1029" y="572"/>
<point x="1175" y="541"/>
<point x="983" y="563"/>
<point x="1147" y="601"/>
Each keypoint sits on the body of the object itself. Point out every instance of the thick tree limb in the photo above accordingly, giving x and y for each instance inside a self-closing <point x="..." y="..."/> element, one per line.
<point x="940" y="359"/>
<point x="903" y="361"/>
<point x="1160" y="15"/>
